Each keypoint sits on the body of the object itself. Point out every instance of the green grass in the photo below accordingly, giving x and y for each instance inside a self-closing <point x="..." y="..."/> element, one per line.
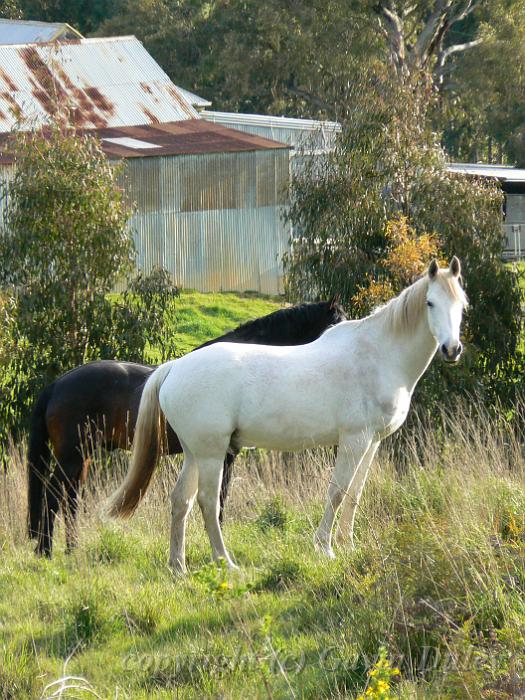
<point x="437" y="579"/>
<point x="201" y="317"/>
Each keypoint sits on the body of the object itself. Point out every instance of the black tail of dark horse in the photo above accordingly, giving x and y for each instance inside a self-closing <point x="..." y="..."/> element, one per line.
<point x="38" y="458"/>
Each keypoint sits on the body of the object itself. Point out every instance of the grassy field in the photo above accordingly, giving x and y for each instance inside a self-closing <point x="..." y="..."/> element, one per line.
<point x="200" y="317"/>
<point x="429" y="604"/>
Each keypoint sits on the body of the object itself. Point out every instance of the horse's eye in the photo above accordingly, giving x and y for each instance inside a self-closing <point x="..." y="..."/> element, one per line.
<point x="429" y="303"/>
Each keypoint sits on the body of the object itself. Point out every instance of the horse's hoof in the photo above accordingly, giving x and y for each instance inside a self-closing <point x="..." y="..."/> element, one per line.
<point x="178" y="568"/>
<point x="323" y="548"/>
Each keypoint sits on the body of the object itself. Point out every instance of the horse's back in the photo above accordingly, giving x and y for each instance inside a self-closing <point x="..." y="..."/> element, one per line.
<point x="229" y="388"/>
<point x="105" y="393"/>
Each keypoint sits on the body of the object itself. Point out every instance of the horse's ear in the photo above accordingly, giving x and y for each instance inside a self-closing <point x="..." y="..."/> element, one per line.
<point x="455" y="267"/>
<point x="433" y="269"/>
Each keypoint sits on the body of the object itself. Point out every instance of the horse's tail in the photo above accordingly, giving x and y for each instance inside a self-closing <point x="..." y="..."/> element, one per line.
<point x="38" y="460"/>
<point x="147" y="444"/>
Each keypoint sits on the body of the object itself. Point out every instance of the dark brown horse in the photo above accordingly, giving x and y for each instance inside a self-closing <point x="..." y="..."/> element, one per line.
<point x="100" y="400"/>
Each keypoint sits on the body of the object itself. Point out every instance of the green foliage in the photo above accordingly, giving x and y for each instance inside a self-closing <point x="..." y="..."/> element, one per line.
<point x="109" y="548"/>
<point x="389" y="164"/>
<point x="17" y="672"/>
<point x="281" y="575"/>
<point x="274" y="515"/>
<point x="254" y="57"/>
<point x="215" y="578"/>
<point x="84" y="15"/>
<point x="10" y="9"/>
<point x="380" y="679"/>
<point x="148" y="300"/>
<point x="482" y="112"/>
<point x="88" y="619"/>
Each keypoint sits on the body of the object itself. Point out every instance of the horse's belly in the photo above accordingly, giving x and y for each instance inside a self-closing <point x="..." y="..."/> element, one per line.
<point x="288" y="440"/>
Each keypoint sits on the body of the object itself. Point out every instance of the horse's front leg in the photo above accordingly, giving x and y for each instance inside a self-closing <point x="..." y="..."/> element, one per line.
<point x="346" y="521"/>
<point x="351" y="452"/>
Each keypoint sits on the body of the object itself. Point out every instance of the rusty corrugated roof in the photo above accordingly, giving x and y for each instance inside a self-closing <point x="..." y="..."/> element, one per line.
<point x="186" y="137"/>
<point x="102" y="82"/>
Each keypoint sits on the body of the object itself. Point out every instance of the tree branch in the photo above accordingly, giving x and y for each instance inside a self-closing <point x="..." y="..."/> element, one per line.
<point x="456" y="48"/>
<point x="470" y="6"/>
<point x="445" y="54"/>
<point x="432" y="32"/>
<point x="394" y="31"/>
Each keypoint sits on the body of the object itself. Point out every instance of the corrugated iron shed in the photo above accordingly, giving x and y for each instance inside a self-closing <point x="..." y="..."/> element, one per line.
<point x="189" y="137"/>
<point x="17" y="31"/>
<point x="505" y="173"/>
<point x="102" y="82"/>
<point x="208" y="201"/>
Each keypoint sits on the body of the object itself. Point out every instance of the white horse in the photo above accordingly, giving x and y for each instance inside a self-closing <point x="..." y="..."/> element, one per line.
<point x="351" y="387"/>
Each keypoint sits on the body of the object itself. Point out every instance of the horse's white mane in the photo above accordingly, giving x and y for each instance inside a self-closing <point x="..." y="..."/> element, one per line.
<point x="404" y="311"/>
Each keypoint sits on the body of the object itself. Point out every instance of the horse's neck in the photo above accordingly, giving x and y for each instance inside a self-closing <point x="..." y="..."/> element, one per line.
<point x="413" y="350"/>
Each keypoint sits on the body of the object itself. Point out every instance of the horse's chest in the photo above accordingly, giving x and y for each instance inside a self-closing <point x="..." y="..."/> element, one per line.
<point x="394" y="412"/>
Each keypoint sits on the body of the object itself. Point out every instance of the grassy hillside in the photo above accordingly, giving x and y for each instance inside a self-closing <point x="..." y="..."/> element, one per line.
<point x="199" y="317"/>
<point x="437" y="579"/>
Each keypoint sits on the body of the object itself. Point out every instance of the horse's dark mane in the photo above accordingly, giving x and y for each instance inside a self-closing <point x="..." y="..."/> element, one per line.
<point x="287" y="325"/>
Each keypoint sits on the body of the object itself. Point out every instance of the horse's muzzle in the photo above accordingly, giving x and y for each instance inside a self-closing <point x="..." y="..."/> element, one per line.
<point x="451" y="353"/>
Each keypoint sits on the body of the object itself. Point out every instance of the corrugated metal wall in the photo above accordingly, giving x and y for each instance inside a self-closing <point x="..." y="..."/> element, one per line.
<point x="307" y="138"/>
<point x="214" y="221"/>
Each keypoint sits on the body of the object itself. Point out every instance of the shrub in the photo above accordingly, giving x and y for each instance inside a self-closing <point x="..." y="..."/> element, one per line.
<point x="274" y="515"/>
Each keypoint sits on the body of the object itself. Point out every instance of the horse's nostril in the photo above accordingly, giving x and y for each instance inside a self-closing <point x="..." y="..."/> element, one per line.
<point x="444" y="349"/>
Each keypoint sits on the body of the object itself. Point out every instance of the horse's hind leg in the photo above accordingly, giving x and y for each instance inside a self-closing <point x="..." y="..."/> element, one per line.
<point x="53" y="495"/>
<point x="182" y="499"/>
<point x="70" y="514"/>
<point x="210" y="473"/>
